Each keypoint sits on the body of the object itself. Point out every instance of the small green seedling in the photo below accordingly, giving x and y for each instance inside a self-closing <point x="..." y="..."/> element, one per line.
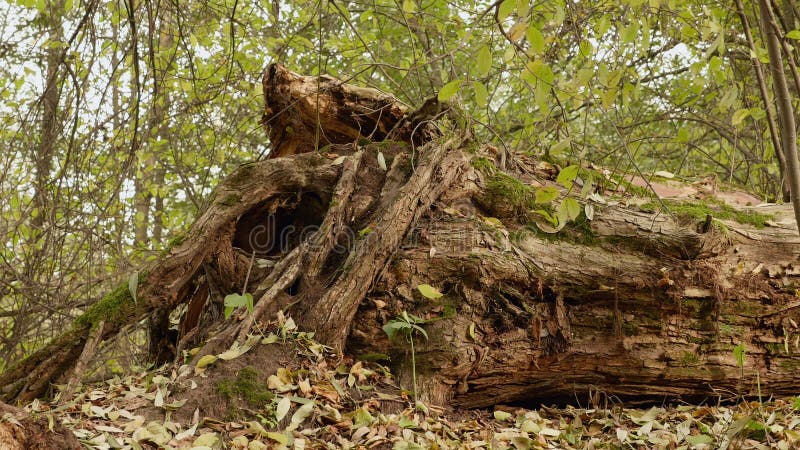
<point x="407" y="325"/>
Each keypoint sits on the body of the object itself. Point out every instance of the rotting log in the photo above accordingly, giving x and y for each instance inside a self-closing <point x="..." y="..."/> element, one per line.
<point x="636" y="314"/>
<point x="636" y="304"/>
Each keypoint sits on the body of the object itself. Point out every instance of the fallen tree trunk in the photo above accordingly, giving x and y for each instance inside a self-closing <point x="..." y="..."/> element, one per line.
<point x="638" y="302"/>
<point x="556" y="320"/>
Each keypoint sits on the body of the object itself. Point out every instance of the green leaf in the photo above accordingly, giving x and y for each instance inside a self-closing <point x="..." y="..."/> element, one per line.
<point x="523" y="8"/>
<point x="429" y="291"/>
<point x="233" y="301"/>
<point x="450" y="89"/>
<point x="280" y="438"/>
<point x="501" y="416"/>
<point x="794" y="34"/>
<point x="629" y="33"/>
<point x="739" y="354"/>
<point x="683" y="135"/>
<point x="571" y="207"/>
<point x="393" y="327"/>
<point x="567" y="176"/>
<point x="481" y="94"/>
<point x="206" y="361"/>
<point x="535" y="39"/>
<point x="699" y="439"/>
<point x="517" y="31"/>
<point x="584" y="77"/>
<point x="362" y="418"/>
<point x="249" y="304"/>
<point x="406" y="422"/>
<point x="209" y="440"/>
<point x="483" y="61"/>
<point x="560" y="146"/>
<point x="421" y="330"/>
<point x="545" y="194"/>
<point x="541" y="71"/>
<point x="505" y="9"/>
<point x="739" y="116"/>
<point x="549" y="217"/>
<point x="300" y="415"/>
<point x="409" y="7"/>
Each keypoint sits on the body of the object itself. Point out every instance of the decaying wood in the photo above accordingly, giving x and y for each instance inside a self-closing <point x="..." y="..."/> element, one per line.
<point x="213" y="254"/>
<point x="629" y="315"/>
<point x="646" y="305"/>
<point x="206" y="248"/>
<point x="303" y="113"/>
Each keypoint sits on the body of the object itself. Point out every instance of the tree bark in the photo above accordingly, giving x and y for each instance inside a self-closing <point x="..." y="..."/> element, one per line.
<point x="651" y="309"/>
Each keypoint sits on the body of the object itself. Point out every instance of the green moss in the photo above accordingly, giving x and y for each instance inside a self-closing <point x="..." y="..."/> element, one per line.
<point x="580" y="231"/>
<point x="689" y="359"/>
<point x="177" y="240"/>
<point x="506" y="196"/>
<point x="389" y="144"/>
<point x="747" y="309"/>
<point x="726" y="330"/>
<point x="630" y="329"/>
<point x="484" y="165"/>
<point x="790" y="365"/>
<point x="115" y="307"/>
<point x="698" y="210"/>
<point x="650" y="207"/>
<point x="774" y="348"/>
<point x="247" y="387"/>
<point x="471" y="146"/>
<point x="690" y="306"/>
<point x="703" y="339"/>
<point x="230" y="199"/>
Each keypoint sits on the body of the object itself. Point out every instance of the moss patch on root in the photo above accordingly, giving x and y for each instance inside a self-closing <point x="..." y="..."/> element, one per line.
<point x="230" y="200"/>
<point x="506" y="196"/>
<point x="115" y="307"/>
<point x="247" y="386"/>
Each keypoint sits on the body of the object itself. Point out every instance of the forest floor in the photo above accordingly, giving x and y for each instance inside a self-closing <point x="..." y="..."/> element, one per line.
<point x="284" y="390"/>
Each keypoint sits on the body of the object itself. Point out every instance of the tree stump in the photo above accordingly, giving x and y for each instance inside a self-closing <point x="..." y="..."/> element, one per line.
<point x="362" y="201"/>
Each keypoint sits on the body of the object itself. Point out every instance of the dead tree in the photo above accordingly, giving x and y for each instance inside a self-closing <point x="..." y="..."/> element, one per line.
<point x="365" y="201"/>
